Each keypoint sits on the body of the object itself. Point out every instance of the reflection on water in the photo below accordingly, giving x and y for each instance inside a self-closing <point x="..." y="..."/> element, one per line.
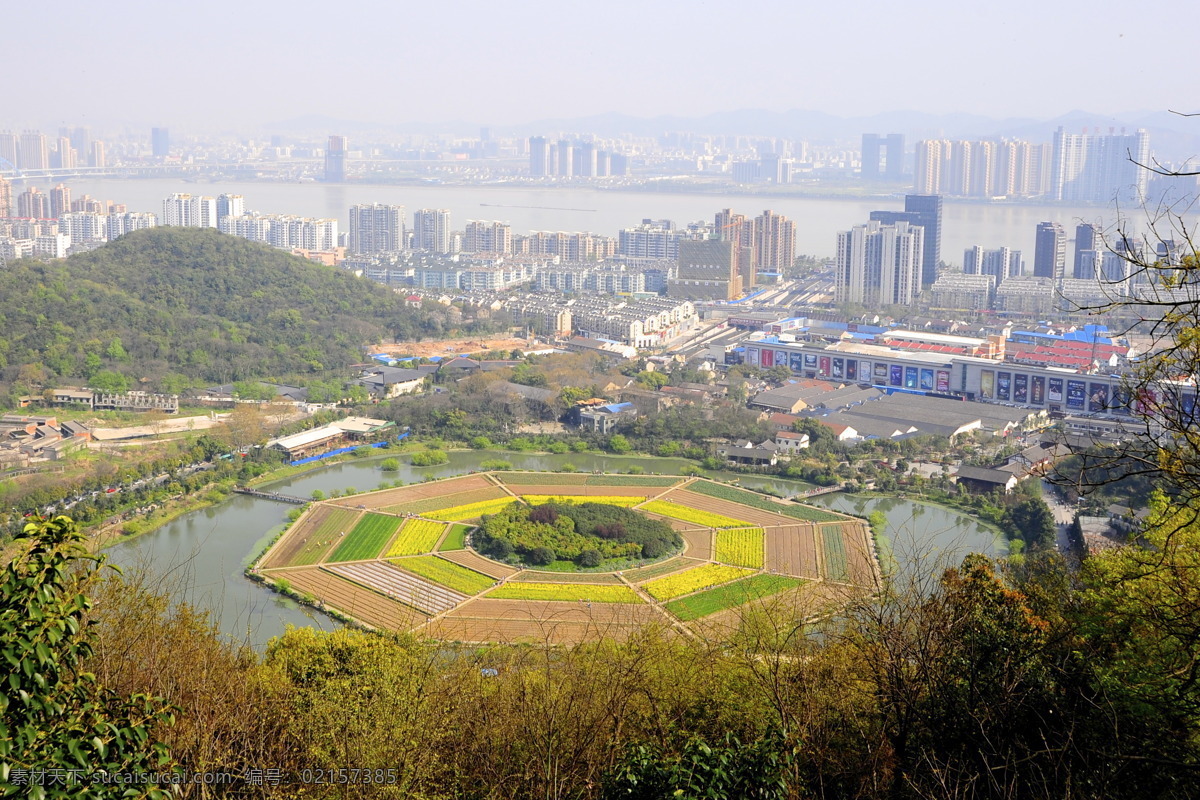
<point x="922" y="536"/>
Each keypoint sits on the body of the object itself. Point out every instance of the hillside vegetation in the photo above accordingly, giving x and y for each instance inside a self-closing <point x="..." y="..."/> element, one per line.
<point x="180" y="304"/>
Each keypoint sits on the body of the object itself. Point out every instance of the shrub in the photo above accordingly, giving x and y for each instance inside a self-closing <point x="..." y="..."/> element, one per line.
<point x="568" y="467"/>
<point x="541" y="556"/>
<point x="390" y="465"/>
<point x="637" y="469"/>
<point x="481" y="443"/>
<point x="589" y="558"/>
<point x="318" y="494"/>
<point x="498" y="464"/>
<point x="558" y="448"/>
<point x="501" y="549"/>
<point x="429" y="458"/>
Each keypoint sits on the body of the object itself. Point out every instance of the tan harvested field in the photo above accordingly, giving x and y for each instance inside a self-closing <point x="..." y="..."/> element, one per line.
<point x="471" y="559"/>
<point x="289" y="547"/>
<point x="677" y="564"/>
<point x="386" y="579"/>
<point x="792" y="550"/>
<point x="716" y="505"/>
<point x="593" y="491"/>
<point x="364" y="605"/>
<point x="511" y="631"/>
<point x="390" y="497"/>
<point x="446" y="347"/>
<point x="698" y="543"/>
<point x="547" y="611"/>
<point x="532" y="576"/>
<point x="860" y="560"/>
<point x="804" y="602"/>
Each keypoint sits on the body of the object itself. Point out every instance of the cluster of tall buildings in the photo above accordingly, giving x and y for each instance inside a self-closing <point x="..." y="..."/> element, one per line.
<point x="227" y="213"/>
<point x="568" y="158"/>
<point x="1075" y="168"/>
<point x="887" y="260"/>
<point x="30" y="150"/>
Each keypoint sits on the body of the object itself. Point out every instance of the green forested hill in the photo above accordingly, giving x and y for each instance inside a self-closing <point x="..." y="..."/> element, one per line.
<point x="173" y="303"/>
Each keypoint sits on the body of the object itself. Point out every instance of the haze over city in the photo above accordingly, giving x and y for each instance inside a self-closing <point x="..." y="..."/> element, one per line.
<point x="238" y="66"/>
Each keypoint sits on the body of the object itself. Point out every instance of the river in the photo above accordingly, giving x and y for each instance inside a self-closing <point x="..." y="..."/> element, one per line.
<point x="201" y="556"/>
<point x="818" y="220"/>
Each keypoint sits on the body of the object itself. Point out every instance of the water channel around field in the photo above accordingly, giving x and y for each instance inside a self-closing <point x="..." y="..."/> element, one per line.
<point x="202" y="555"/>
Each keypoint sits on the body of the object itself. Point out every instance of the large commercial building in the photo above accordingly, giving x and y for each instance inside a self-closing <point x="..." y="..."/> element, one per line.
<point x="1027" y="378"/>
<point x="879" y="264"/>
<point x="1093" y="168"/>
<point x="925" y="211"/>
<point x="376" y="228"/>
<point x="707" y="271"/>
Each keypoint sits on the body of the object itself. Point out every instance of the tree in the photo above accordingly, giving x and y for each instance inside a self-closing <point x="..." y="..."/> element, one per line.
<point x="106" y="381"/>
<point x="619" y="444"/>
<point x="244" y="426"/>
<point x="54" y="715"/>
<point x="1032" y="521"/>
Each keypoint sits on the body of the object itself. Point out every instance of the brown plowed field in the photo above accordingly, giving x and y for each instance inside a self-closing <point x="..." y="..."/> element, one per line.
<point x="716" y="505"/>
<point x="351" y="599"/>
<point x="699" y="543"/>
<point x="556" y="611"/>
<point x="677" y="564"/>
<point x="859" y="561"/>
<point x="804" y="602"/>
<point x="508" y="631"/>
<point x="390" y="497"/>
<point x="471" y="559"/>
<point x="294" y="540"/>
<point x="429" y="597"/>
<point x="594" y="491"/>
<point x="792" y="550"/>
<point x="679" y="525"/>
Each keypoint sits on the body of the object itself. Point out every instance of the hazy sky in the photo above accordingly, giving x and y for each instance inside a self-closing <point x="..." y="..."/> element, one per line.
<point x="236" y="65"/>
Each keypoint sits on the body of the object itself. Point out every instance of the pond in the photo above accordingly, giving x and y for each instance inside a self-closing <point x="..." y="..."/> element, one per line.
<point x="200" y="557"/>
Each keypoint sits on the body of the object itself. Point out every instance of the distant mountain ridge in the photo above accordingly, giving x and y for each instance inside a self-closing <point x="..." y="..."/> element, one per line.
<point x="1173" y="134"/>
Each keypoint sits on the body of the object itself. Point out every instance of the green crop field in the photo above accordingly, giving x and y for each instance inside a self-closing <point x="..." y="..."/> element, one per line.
<point x="806" y="513"/>
<point x="320" y="540"/>
<point x="631" y="480"/>
<point x="456" y="539"/>
<point x="705" y="519"/>
<point x="447" y="573"/>
<point x="742" y="547"/>
<point x="569" y="592"/>
<point x="835" y="553"/>
<point x="542" y="478"/>
<point x="417" y="536"/>
<point x="692" y="580"/>
<point x="730" y="595"/>
<point x="367" y="539"/>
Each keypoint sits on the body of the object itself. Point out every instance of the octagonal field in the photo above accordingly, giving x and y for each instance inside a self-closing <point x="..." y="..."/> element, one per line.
<point x="402" y="559"/>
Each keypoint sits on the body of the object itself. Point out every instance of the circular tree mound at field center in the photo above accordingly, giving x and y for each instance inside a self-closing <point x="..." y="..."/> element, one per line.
<point x="586" y="533"/>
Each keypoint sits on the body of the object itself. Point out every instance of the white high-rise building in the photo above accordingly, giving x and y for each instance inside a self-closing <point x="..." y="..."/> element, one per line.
<point x="487" y="237"/>
<point x="431" y="230"/>
<point x="121" y="224"/>
<point x="84" y="226"/>
<point x="376" y="228"/>
<point x="879" y="264"/>
<point x="190" y="211"/>
<point x="230" y="205"/>
<point x="1091" y="168"/>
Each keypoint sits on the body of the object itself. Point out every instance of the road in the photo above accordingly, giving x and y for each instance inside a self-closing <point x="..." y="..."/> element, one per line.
<point x="1064" y="515"/>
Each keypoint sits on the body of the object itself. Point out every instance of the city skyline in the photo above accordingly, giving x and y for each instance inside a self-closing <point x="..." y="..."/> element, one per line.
<point x="777" y="57"/>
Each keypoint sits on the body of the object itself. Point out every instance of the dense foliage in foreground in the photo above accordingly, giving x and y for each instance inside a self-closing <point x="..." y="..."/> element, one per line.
<point x="978" y="683"/>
